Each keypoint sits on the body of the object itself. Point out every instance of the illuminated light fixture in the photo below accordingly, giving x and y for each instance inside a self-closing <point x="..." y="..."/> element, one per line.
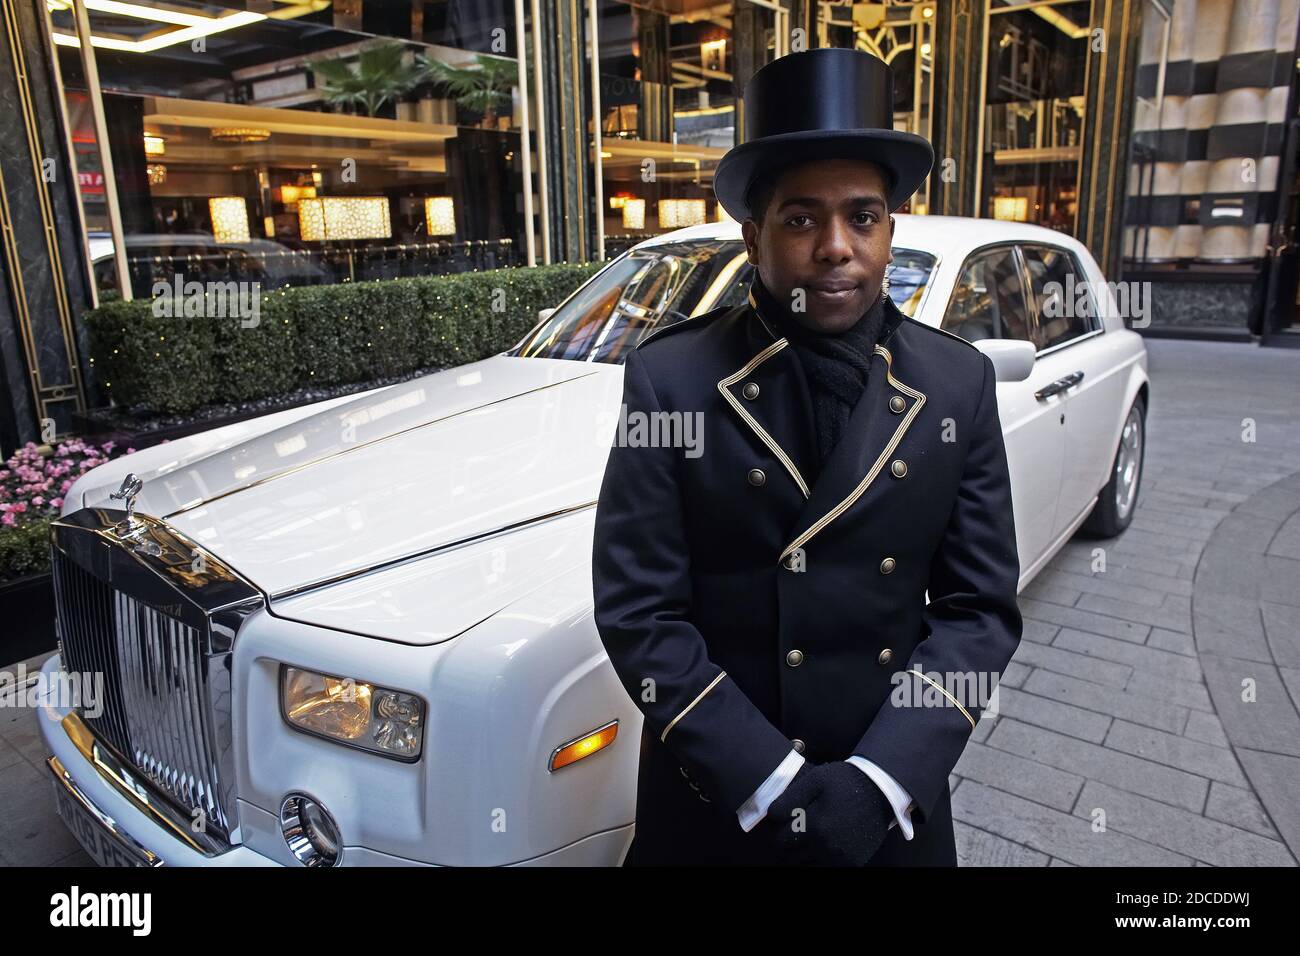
<point x="240" y="134"/>
<point x="154" y="145"/>
<point x="676" y="213"/>
<point x="634" y="214"/>
<point x="268" y="226"/>
<point x="156" y="173"/>
<point x="584" y="746"/>
<point x="290" y="195"/>
<point x="344" y="217"/>
<point x="192" y="26"/>
<point x="440" y="215"/>
<point x="229" y="219"/>
<point x="1011" y="208"/>
<point x="619" y="200"/>
<point x="925" y="49"/>
<point x="713" y="54"/>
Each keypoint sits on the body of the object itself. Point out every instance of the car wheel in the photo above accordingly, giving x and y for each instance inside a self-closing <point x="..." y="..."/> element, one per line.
<point x="1118" y="500"/>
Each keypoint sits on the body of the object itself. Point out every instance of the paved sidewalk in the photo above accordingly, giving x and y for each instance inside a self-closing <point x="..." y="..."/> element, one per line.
<point x="1125" y="698"/>
<point x="1123" y="737"/>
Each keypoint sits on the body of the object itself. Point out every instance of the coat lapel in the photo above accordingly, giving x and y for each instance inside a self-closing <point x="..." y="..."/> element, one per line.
<point x="771" y="397"/>
<point x="875" y="428"/>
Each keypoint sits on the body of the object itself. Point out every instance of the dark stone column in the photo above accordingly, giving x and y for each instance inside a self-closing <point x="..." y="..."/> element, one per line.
<point x="1107" y="130"/>
<point x="565" y="97"/>
<point x="41" y="251"/>
<point x="959" y="47"/>
<point x="655" y="111"/>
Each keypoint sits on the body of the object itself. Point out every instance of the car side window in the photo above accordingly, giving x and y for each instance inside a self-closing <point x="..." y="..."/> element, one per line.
<point x="1063" y="301"/>
<point x="988" y="301"/>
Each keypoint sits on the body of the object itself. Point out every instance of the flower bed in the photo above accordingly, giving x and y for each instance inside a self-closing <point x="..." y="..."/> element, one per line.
<point x="32" y="485"/>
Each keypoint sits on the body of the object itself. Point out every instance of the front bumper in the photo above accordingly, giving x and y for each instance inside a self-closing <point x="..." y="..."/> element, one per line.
<point x="127" y="831"/>
<point x="124" y="831"/>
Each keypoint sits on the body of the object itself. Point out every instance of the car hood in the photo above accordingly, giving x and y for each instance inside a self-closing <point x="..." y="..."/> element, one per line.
<point x="441" y="460"/>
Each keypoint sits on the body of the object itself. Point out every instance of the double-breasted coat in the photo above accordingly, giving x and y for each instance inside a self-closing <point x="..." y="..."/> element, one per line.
<point x="748" y="610"/>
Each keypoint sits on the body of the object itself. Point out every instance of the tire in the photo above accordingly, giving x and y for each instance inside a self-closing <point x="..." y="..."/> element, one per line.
<point x="1118" y="499"/>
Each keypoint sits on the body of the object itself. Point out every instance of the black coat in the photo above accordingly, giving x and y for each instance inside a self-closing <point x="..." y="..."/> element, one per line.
<point x="747" y="612"/>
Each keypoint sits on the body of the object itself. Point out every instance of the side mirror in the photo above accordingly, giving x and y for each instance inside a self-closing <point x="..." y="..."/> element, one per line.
<point x="1013" y="359"/>
<point x="544" y="314"/>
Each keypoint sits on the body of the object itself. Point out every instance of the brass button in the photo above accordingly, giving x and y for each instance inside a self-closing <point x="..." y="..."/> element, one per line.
<point x="751" y="390"/>
<point x="794" y="658"/>
<point x="756" y="477"/>
<point x="885" y="656"/>
<point x="898" y="468"/>
<point x="798" y="745"/>
<point x="896" y="404"/>
<point x="887" y="565"/>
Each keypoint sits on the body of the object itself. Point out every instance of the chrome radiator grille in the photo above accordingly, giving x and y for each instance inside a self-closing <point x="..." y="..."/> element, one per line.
<point x="136" y="604"/>
<point x="155" y="711"/>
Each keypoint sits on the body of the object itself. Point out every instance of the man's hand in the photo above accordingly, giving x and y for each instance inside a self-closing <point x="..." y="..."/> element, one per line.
<point x="831" y="814"/>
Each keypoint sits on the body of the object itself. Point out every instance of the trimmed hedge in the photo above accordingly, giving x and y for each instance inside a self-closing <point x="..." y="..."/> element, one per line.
<point x="319" y="335"/>
<point x="25" y="549"/>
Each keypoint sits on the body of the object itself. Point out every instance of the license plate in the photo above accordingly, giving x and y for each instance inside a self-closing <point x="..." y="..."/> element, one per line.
<point x="103" y="845"/>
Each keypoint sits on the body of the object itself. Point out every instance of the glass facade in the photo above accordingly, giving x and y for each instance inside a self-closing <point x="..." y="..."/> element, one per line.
<point x="300" y="143"/>
<point x="1036" y="71"/>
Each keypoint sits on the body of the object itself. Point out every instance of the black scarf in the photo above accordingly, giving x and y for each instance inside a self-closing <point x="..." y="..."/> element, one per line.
<point x="835" y="364"/>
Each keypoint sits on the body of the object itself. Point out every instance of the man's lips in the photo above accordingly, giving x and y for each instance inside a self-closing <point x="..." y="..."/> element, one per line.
<point x="833" y="291"/>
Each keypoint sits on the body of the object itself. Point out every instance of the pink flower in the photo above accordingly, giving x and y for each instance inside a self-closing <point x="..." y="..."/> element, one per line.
<point x="8" y="519"/>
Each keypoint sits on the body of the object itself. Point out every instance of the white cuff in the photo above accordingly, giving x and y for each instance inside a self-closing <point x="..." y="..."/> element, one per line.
<point x="898" y="798"/>
<point x="755" y="808"/>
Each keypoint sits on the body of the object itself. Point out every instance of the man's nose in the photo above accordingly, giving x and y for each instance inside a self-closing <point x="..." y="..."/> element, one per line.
<point x="834" y="241"/>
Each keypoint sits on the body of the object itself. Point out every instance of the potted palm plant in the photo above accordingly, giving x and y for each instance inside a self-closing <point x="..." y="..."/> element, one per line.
<point x="381" y="75"/>
<point x="483" y="88"/>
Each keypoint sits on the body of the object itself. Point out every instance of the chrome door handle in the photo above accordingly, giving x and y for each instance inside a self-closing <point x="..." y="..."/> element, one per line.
<point x="1060" y="385"/>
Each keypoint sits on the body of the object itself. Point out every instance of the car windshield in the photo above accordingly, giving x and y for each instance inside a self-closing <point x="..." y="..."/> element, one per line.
<point x="658" y="285"/>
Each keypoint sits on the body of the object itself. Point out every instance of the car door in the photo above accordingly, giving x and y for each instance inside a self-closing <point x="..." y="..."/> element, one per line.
<point x="989" y="301"/>
<point x="1072" y="349"/>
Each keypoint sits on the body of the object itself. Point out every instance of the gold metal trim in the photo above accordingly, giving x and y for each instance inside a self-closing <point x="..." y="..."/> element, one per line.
<point x="673" y="723"/>
<point x="42" y="395"/>
<point x="935" y="684"/>
<point x="759" y="430"/>
<point x="888" y="450"/>
<point x="135" y="789"/>
<point x="129" y="845"/>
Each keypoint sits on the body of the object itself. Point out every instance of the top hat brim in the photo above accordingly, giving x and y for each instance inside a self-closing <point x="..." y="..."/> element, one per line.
<point x="908" y="159"/>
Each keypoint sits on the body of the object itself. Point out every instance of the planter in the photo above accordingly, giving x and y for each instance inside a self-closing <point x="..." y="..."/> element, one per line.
<point x="27" y="608"/>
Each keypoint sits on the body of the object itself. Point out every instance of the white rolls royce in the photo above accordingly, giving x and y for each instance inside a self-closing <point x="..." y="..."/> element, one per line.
<point x="360" y="632"/>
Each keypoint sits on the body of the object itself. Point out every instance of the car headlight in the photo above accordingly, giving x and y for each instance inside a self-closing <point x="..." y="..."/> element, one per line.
<point x="352" y="712"/>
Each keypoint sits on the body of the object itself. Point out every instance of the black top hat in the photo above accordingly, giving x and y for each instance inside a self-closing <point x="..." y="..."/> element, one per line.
<point x="827" y="103"/>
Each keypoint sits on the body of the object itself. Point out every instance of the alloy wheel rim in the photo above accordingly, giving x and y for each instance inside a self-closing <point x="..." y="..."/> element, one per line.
<point x="1128" y="464"/>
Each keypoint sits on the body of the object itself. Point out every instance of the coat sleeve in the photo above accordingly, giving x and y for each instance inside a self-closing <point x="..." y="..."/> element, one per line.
<point x="642" y="590"/>
<point x="973" y="623"/>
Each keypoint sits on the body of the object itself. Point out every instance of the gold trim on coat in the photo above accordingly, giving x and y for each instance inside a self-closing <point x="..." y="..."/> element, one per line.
<point x="942" y="690"/>
<point x="759" y="430"/>
<point x="888" y="450"/>
<point x="673" y="723"/>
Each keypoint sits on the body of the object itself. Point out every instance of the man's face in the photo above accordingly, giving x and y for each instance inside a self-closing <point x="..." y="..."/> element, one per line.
<point x="827" y="231"/>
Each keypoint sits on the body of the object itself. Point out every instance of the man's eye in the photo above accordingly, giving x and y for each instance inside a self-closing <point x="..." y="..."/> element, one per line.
<point x="791" y="220"/>
<point x="872" y="215"/>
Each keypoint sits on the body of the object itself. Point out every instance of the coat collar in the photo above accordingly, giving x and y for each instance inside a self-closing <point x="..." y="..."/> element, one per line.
<point x="770" y="394"/>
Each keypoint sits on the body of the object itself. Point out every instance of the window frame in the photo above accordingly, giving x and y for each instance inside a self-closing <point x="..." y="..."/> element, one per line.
<point x="1031" y="316"/>
<point x="1097" y="322"/>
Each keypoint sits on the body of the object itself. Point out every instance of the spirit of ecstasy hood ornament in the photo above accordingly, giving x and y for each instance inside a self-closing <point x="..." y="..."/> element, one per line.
<point x="131" y="486"/>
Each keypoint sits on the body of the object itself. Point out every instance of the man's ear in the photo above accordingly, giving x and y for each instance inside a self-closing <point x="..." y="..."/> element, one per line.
<point x="749" y="232"/>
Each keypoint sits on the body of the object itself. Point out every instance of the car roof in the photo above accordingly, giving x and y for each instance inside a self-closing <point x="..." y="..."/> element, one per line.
<point x="942" y="235"/>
